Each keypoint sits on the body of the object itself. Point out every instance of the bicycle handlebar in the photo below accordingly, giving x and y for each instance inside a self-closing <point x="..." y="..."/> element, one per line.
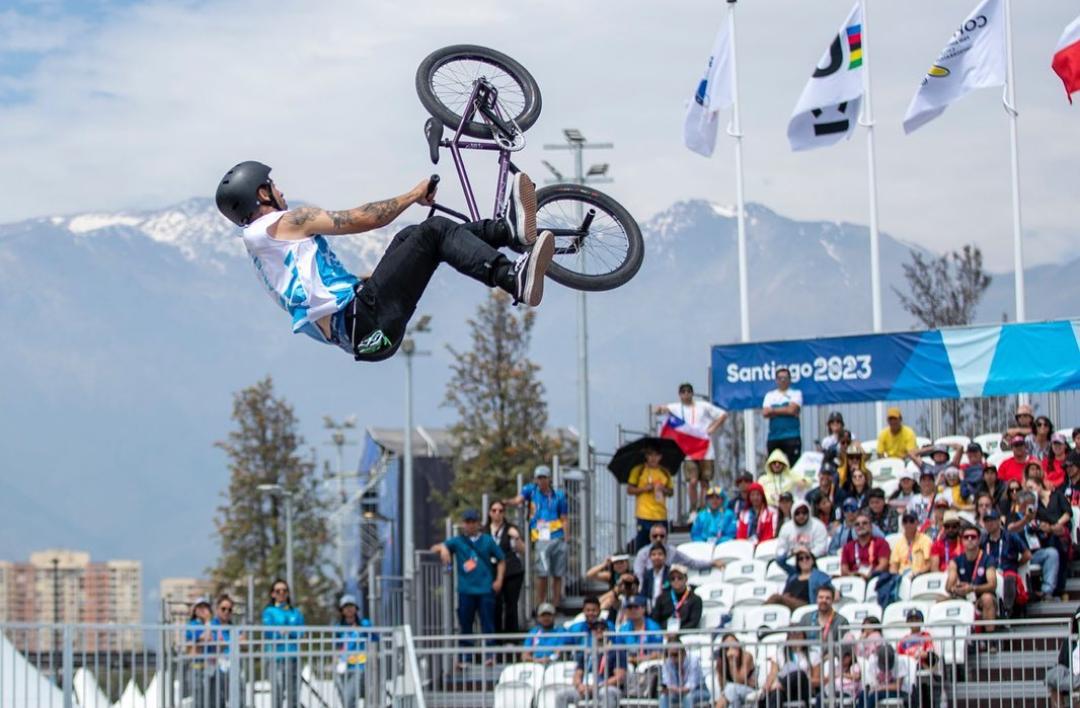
<point x="432" y="184"/>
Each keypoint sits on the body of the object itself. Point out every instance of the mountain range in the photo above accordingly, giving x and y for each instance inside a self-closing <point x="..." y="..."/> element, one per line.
<point x="127" y="333"/>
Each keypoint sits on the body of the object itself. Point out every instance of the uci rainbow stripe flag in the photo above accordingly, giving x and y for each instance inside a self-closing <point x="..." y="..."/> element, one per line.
<point x="854" y="42"/>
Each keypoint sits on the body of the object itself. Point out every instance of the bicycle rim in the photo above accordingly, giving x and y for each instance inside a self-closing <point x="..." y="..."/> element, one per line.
<point x="602" y="250"/>
<point x="452" y="83"/>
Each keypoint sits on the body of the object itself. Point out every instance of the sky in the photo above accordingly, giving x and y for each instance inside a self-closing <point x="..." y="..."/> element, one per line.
<point x="123" y="104"/>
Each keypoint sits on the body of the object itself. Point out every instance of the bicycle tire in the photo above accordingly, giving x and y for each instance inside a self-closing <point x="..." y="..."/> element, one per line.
<point x="562" y="270"/>
<point x="425" y="75"/>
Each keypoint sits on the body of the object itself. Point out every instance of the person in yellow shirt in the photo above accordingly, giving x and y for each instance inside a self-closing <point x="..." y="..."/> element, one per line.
<point x="897" y="439"/>
<point x="910" y="556"/>
<point x="650" y="484"/>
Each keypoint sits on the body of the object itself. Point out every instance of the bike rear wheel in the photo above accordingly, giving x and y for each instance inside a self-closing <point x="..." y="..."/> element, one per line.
<point x="598" y="245"/>
<point x="445" y="80"/>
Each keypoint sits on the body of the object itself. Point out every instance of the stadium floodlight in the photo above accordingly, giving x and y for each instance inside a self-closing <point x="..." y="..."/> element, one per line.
<point x="598" y="170"/>
<point x="574" y="135"/>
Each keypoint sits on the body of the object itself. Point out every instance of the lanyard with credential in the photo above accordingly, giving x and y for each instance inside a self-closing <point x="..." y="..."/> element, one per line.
<point x="678" y="605"/>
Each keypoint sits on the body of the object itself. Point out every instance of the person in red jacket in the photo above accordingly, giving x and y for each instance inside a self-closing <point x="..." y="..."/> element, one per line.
<point x="758" y="521"/>
<point x="1012" y="469"/>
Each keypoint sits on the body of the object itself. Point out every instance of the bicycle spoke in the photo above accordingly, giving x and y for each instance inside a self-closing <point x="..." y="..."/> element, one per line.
<point x="453" y="83"/>
<point x="604" y="246"/>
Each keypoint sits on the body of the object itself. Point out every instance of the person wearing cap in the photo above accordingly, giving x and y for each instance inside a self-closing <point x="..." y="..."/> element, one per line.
<point x="910" y="556"/>
<point x="757" y="523"/>
<point x="935" y="458"/>
<point x="703" y="416"/>
<point x="950" y="485"/>
<point x="640" y="635"/>
<point x="628" y="587"/>
<point x="918" y="643"/>
<point x="481" y="567"/>
<point x="973" y="575"/>
<point x="922" y="504"/>
<point x="650" y="484"/>
<point x="350" y="642"/>
<point x="882" y="516"/>
<point x="1063" y="678"/>
<point x="865" y="555"/>
<point x="682" y="682"/>
<point x="947" y="545"/>
<point x="906" y="483"/>
<point x="1024" y="423"/>
<point x="678" y="607"/>
<point x="781" y="408"/>
<point x="548" y="527"/>
<point x="835" y="425"/>
<point x="847" y="532"/>
<point x="200" y="645"/>
<point x="543" y="642"/>
<point x="802" y="530"/>
<point x="851" y="458"/>
<point x="1010" y="552"/>
<point x="713" y="522"/>
<point x="1070" y="488"/>
<point x="600" y="672"/>
<point x="1011" y="469"/>
<point x="972" y="469"/>
<point x="741" y="499"/>
<point x="827" y="487"/>
<point x="608" y="571"/>
<point x="778" y="478"/>
<point x="1054" y="462"/>
<point x="896" y="439"/>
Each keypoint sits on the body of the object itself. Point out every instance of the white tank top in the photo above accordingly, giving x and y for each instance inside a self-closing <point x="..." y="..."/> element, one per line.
<point x="305" y="277"/>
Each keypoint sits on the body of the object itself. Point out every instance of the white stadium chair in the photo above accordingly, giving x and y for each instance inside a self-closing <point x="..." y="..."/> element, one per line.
<point x="928" y="586"/>
<point x="800" y="612"/>
<point x="892" y="538"/>
<point x="733" y="550"/>
<point x="716" y="594"/>
<point x="869" y="447"/>
<point x="885" y="468"/>
<point x="579" y="617"/>
<point x="704" y="576"/>
<point x="518" y="685"/>
<point x="989" y="442"/>
<point x="949" y="623"/>
<point x="1067" y="432"/>
<point x="766" y="550"/>
<point x="745" y="571"/>
<point x="949" y="440"/>
<point x="896" y="614"/>
<point x="711" y="616"/>
<point x="556" y="677"/>
<point x="856" y="612"/>
<point x="851" y="588"/>
<point x="808" y="464"/>
<point x="997" y="458"/>
<point x="698" y="550"/>
<point x="830" y="565"/>
<point x="887" y="485"/>
<point x="871" y="590"/>
<point x="777" y="573"/>
<point x="921" y="441"/>
<point x="754" y="617"/>
<point x="754" y="593"/>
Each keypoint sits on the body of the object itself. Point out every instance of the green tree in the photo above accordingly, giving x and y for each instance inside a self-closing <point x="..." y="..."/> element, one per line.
<point x="499" y="400"/>
<point x="265" y="448"/>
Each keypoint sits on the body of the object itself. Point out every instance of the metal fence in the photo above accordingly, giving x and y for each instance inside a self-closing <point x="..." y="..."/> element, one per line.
<point x="212" y="666"/>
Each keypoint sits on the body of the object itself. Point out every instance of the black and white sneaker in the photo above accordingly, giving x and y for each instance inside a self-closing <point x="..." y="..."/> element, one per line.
<point x="530" y="269"/>
<point x="521" y="214"/>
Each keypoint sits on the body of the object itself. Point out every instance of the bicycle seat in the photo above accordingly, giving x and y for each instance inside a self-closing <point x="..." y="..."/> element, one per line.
<point x="433" y="129"/>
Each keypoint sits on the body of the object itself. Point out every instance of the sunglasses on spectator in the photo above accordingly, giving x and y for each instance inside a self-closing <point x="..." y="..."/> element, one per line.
<point x="803" y="557"/>
<point x="496" y="510"/>
<point x="1014" y="489"/>
<point x="1042" y="424"/>
<point x="971" y="537"/>
<point x="280" y="589"/>
<point x="225" y="608"/>
<point x="658" y="536"/>
<point x="862" y="523"/>
<point x="1019" y="444"/>
<point x="951" y="525"/>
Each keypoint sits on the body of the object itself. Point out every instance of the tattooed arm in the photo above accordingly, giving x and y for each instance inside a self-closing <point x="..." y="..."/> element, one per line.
<point x="301" y="223"/>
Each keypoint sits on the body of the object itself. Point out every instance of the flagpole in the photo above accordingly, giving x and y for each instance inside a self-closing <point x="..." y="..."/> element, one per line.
<point x="871" y="152"/>
<point x="735" y="131"/>
<point x="1014" y="135"/>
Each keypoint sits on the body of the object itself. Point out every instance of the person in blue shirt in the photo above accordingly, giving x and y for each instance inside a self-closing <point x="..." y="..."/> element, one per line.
<point x="713" y="522"/>
<point x="285" y="668"/>
<point x="545" y="639"/>
<point x="1010" y="551"/>
<point x="199" y="645"/>
<point x="222" y="634"/>
<point x="640" y="636"/>
<point x="548" y="512"/>
<point x="350" y="641"/>
<point x="591" y="608"/>
<point x="481" y="567"/>
<point x="600" y="672"/>
<point x="781" y="408"/>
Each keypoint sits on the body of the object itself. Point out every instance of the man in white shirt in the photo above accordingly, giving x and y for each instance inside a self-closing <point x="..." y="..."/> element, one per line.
<point x="699" y="415"/>
<point x="781" y="408"/>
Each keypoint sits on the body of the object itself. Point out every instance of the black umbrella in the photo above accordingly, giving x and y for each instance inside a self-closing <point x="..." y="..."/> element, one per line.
<point x="632" y="454"/>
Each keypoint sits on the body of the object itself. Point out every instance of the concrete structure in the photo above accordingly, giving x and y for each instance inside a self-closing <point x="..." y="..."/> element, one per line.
<point x="179" y="594"/>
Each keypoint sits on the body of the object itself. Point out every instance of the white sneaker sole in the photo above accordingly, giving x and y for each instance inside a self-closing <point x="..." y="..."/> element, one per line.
<point x="539" y="260"/>
<point x="524" y="194"/>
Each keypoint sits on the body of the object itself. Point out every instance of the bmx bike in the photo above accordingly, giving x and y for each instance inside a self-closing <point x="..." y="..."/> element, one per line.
<point x="488" y="101"/>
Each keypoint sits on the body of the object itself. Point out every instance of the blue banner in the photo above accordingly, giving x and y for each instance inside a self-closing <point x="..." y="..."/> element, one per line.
<point x="961" y="362"/>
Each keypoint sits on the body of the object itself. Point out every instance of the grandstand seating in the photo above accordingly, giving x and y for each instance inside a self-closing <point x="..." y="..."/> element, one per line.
<point x="949" y="622"/>
<point x="745" y="571"/>
<point x="698" y="550"/>
<point x="989" y="442"/>
<point x="869" y="446"/>
<point x="949" y="440"/>
<point x="830" y="565"/>
<point x="716" y="594"/>
<point x="856" y="612"/>
<point x="850" y="589"/>
<point x="756" y="617"/>
<point x="733" y="550"/>
<point x="896" y="614"/>
<point x="928" y="586"/>
<point x="766" y="550"/>
<point x="776" y="572"/>
<point x="885" y="468"/>
<point x="754" y="593"/>
<point x="808" y="464"/>
<point x="518" y="685"/>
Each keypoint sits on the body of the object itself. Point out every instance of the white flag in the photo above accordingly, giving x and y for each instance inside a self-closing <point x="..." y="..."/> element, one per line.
<point x="974" y="58"/>
<point x="828" y="109"/>
<point x="715" y="92"/>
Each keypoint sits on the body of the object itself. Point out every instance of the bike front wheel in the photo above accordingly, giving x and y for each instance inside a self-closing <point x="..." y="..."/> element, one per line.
<point x="446" y="77"/>
<point x="598" y="245"/>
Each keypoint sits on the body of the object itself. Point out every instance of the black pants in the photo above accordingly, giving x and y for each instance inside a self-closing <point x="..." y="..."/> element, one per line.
<point x="389" y="297"/>
<point x="792" y="447"/>
<point x="507" y="605"/>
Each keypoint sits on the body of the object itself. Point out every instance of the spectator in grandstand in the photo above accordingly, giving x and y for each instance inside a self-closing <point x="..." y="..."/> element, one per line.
<point x="590" y="608"/>
<point x="285" y="667"/>
<point x="481" y="569"/>
<point x="802" y="530"/>
<point x="847" y="533"/>
<point x="948" y="544"/>
<point x="972" y="469"/>
<point x="200" y="670"/>
<point x="1011" y="469"/>
<point x="1076" y="438"/>
<point x="1053" y="524"/>
<point x="508" y="538"/>
<point x="922" y="505"/>
<point x="741" y="499"/>
<point x="869" y="637"/>
<point x="858" y="486"/>
<point x="888" y="676"/>
<point x="1071" y="487"/>
<point x="713" y="522"/>
<point x="918" y="644"/>
<point x="599" y="674"/>
<point x="350" y="642"/>
<point x="824" y="512"/>
<point x="609" y="571"/>
<point x="1024" y="422"/>
<point x="1009" y="553"/>
<point x="781" y="408"/>
<point x="681" y="679"/>
<point x="659" y="534"/>
<point x="844" y="677"/>
<point x="1038" y="440"/>
<point x="548" y="510"/>
<point x="1033" y="470"/>
<point x="936" y="459"/>
<point x="650" y="485"/>
<point x="678" y="607"/>
<point x="995" y="488"/>
<point x="883" y="516"/>
<point x="905" y="490"/>
<point x="972" y="575"/>
<point x="705" y="416"/>
<point x="865" y="555"/>
<point x="830" y="444"/>
<point x="655" y="577"/>
<point x="736" y="673"/>
<point x="950" y="486"/>
<point x="1063" y="678"/>
<point x="629" y="586"/>
<point x="803" y="581"/>
<point x="756" y="523"/>
<point x="788" y="676"/>
<point x="545" y="639"/>
<point x="778" y="477"/>
<point x="824" y="625"/>
<point x="896" y="439"/>
<point x="223" y="622"/>
<point x="910" y="556"/>
<point x="852" y="459"/>
<point x="934" y="527"/>
<point x="827" y="487"/>
<point x="638" y="632"/>
<point x="783" y="509"/>
<point x="1024" y="520"/>
<point x="983" y="505"/>
<point x="1054" y="464"/>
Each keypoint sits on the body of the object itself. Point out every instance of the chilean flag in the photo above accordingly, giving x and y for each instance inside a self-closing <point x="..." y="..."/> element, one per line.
<point x="692" y="440"/>
<point x="1066" y="63"/>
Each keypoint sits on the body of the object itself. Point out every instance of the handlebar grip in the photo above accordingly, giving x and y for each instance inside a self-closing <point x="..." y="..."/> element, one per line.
<point x="432" y="184"/>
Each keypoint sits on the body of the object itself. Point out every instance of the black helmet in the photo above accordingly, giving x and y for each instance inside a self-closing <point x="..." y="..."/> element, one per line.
<point x="835" y="417"/>
<point x="237" y="194"/>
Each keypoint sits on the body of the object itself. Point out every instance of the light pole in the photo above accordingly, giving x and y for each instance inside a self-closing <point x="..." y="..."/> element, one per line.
<point x="276" y="490"/>
<point x="577" y="143"/>
<point x="339" y="440"/>
<point x="408" y="348"/>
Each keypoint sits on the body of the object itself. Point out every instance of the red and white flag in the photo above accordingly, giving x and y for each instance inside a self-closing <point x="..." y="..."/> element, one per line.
<point x="1066" y="63"/>
<point x="691" y="439"/>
